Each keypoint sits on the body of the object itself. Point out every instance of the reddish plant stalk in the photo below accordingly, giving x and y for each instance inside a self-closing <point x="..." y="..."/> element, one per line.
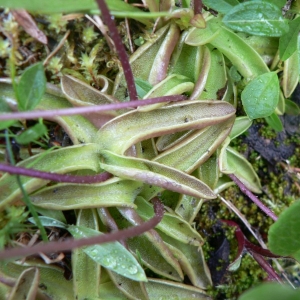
<point x="256" y="251"/>
<point x="198" y="7"/>
<point x="70" y="244"/>
<point x="108" y="20"/>
<point x="88" y="109"/>
<point x="55" y="176"/>
<point x="249" y="194"/>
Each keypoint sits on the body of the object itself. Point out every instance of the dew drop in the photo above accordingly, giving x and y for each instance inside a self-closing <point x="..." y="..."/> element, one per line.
<point x="109" y="262"/>
<point x="132" y="270"/>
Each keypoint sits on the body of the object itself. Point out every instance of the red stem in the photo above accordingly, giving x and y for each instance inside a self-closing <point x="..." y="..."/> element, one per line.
<point x="198" y="7"/>
<point x="86" y="110"/>
<point x="55" y="176"/>
<point x="101" y="239"/>
<point x="108" y="20"/>
<point x="244" y="190"/>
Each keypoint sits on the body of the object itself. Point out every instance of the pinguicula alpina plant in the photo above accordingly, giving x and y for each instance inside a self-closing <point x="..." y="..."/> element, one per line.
<point x="147" y="149"/>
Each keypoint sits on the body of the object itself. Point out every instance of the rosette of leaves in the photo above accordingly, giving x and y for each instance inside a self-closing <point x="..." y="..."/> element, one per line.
<point x="180" y="147"/>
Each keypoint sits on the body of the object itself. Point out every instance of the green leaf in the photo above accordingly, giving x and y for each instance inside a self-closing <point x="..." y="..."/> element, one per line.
<point x="27" y="284"/>
<point x="247" y="61"/>
<point x="113" y="256"/>
<point x="261" y="95"/>
<point x="257" y="18"/>
<point x="288" y="42"/>
<point x="232" y="162"/>
<point x="241" y="124"/>
<point x="221" y="6"/>
<point x="4" y="108"/>
<point x="49" y="222"/>
<point x="31" y="134"/>
<point x="117" y="7"/>
<point x="64" y="160"/>
<point x="291" y="108"/>
<point x="31" y="87"/>
<point x="279" y="3"/>
<point x="284" y="234"/>
<point x="142" y="87"/>
<point x="290" y="76"/>
<point x="275" y="122"/>
<point x="112" y="192"/>
<point x="197" y="36"/>
<point x="271" y="291"/>
<point x="116" y="137"/>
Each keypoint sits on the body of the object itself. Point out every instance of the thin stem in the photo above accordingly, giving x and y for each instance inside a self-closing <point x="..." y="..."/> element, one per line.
<point x="198" y="7"/>
<point x="86" y="110"/>
<point x="101" y="239"/>
<point x="26" y="199"/>
<point x="120" y="48"/>
<point x="273" y="276"/>
<point x="249" y="194"/>
<point x="55" y="176"/>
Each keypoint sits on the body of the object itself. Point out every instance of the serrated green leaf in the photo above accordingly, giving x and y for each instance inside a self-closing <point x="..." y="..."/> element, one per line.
<point x="257" y="18"/>
<point x="288" y="42"/>
<point x="31" y="87"/>
<point x="113" y="256"/>
<point x="282" y="243"/>
<point x="260" y="97"/>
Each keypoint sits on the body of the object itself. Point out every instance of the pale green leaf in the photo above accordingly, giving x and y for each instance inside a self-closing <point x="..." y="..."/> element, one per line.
<point x="113" y="256"/>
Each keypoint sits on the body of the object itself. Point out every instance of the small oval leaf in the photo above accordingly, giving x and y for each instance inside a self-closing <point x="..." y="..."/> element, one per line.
<point x="257" y="18"/>
<point x="260" y="97"/>
<point x="31" y="87"/>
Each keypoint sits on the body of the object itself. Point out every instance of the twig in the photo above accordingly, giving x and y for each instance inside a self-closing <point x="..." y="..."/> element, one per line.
<point x="249" y="194"/>
<point x="60" y="44"/>
<point x="120" y="49"/>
